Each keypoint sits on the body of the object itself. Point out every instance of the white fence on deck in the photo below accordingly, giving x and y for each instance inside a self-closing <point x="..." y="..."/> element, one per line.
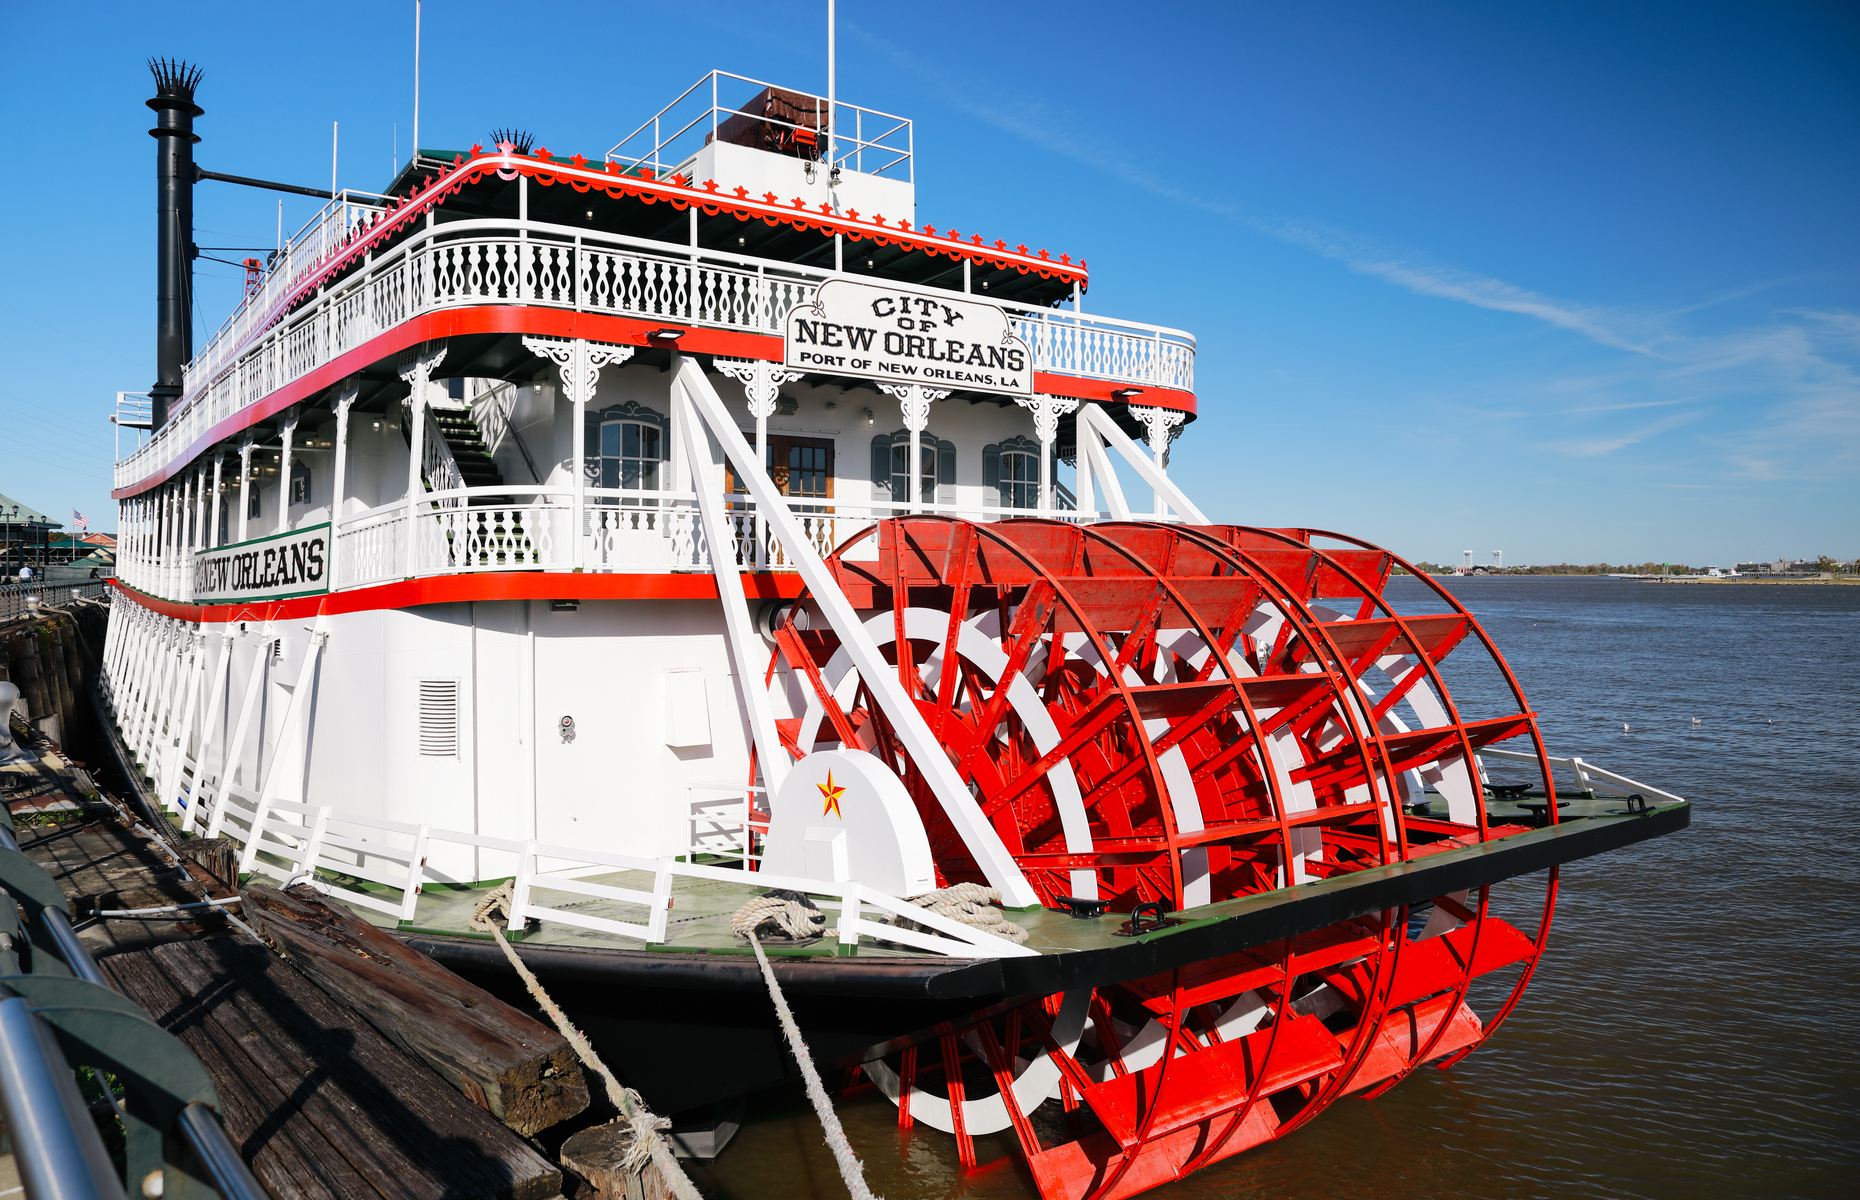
<point x="1586" y="776"/>
<point x="386" y="866"/>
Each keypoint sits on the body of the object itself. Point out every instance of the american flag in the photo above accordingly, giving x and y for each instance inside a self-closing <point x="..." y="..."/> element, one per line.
<point x="80" y="520"/>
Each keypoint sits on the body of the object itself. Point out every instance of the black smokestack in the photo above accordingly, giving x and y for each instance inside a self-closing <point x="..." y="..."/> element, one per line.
<point x="174" y="136"/>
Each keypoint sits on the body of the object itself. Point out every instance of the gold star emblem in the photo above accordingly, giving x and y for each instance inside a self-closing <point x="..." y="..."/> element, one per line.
<point x="830" y="797"/>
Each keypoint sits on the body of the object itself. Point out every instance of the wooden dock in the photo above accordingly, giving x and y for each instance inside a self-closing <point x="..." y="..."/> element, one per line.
<point x="348" y="1066"/>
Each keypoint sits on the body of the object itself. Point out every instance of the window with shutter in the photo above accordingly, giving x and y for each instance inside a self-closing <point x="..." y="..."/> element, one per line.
<point x="936" y="468"/>
<point x="1011" y="470"/>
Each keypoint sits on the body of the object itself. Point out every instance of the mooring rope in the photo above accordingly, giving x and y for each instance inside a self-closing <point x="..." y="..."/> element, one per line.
<point x="648" y="1144"/>
<point x="851" y="1171"/>
<point x="973" y="905"/>
<point x="792" y="915"/>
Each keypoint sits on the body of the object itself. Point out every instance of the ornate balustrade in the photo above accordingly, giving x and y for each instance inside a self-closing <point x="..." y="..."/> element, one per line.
<point x="516" y="528"/>
<point x="501" y="262"/>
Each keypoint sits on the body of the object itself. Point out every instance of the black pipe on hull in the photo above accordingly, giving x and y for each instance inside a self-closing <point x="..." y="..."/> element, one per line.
<point x="174" y="136"/>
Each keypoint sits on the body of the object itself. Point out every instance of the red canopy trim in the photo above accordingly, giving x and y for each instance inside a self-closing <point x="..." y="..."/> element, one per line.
<point x="708" y="197"/>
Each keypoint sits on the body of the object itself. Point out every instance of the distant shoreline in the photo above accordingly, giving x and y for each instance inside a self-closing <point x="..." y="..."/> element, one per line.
<point x="1745" y="580"/>
<point x="1822" y="580"/>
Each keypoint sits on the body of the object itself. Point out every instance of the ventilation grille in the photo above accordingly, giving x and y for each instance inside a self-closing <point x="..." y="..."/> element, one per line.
<point x="439" y="718"/>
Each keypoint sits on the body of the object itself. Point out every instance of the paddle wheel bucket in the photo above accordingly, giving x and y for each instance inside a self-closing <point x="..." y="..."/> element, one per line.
<point x="1169" y="718"/>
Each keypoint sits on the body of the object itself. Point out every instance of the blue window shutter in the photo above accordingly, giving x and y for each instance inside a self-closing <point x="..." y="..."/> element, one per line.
<point x="945" y="472"/>
<point x="991" y="474"/>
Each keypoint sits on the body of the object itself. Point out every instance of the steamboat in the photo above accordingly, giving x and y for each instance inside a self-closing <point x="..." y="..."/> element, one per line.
<point x="692" y="528"/>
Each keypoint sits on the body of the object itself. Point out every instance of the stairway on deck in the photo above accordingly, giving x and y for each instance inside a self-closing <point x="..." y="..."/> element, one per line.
<point x="469" y="450"/>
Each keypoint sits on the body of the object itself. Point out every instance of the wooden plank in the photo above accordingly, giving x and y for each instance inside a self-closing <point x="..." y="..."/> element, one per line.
<point x="319" y="1102"/>
<point x="499" y="1058"/>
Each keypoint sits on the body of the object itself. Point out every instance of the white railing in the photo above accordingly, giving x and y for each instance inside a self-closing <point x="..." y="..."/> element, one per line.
<point x="327" y="232"/>
<point x="370" y="548"/>
<point x="723" y="821"/>
<point x="501" y="262"/>
<point x="387" y="866"/>
<point x="1587" y="777"/>
<point x="469" y="530"/>
<point x="865" y="140"/>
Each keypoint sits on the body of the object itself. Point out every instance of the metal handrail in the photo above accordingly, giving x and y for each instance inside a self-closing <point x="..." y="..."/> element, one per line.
<point x="20" y="599"/>
<point x="55" y="1142"/>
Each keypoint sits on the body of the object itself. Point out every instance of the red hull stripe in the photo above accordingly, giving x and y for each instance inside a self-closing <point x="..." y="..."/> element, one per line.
<point x="555" y="322"/>
<point x="458" y="589"/>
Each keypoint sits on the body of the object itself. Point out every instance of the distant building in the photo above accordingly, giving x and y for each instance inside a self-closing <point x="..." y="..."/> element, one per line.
<point x="25" y="533"/>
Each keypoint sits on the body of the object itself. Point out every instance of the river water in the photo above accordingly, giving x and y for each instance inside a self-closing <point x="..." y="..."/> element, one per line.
<point x="1694" y="1030"/>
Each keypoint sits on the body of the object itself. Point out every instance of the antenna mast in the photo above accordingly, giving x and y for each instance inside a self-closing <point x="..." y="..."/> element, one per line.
<point x="832" y="90"/>
<point x="416" y="79"/>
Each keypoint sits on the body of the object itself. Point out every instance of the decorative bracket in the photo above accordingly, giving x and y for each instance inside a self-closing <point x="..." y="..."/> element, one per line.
<point x="914" y="400"/>
<point x="1046" y="412"/>
<point x="1160" y="424"/>
<point x="579" y="361"/>
<point x="761" y="380"/>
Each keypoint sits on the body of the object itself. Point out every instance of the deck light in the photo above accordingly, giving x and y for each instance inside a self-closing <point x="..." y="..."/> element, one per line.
<point x="868" y="415"/>
<point x="1126" y="393"/>
<point x="668" y="334"/>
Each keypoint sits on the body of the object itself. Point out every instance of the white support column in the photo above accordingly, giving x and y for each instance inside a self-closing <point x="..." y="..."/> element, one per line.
<point x="339" y="481"/>
<point x="1046" y="412"/>
<point x="202" y="539"/>
<point x="762" y="382"/>
<point x="213" y="518"/>
<point x="245" y="484"/>
<point x="579" y="363"/>
<point x="914" y="401"/>
<point x="1160" y="424"/>
<point x="417" y="370"/>
<point x="176" y="539"/>
<point x="284" y="476"/>
<point x="190" y="516"/>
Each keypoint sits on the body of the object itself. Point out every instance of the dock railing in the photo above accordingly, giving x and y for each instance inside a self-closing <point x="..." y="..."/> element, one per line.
<point x="25" y="599"/>
<point x="58" y="1013"/>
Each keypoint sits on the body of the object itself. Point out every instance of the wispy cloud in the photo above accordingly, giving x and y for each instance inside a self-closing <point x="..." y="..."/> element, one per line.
<point x="1611" y="443"/>
<point x="1416" y="274"/>
<point x="1789" y="387"/>
<point x="1582" y="410"/>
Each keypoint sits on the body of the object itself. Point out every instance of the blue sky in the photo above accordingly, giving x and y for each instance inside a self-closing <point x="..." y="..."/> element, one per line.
<point x="1578" y="281"/>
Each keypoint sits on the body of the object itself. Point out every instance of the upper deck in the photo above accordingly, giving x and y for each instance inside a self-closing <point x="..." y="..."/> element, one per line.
<point x="524" y="241"/>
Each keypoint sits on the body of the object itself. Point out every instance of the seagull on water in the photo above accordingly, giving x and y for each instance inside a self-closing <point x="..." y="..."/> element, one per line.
<point x="1696" y="722"/>
<point x="1624" y="727"/>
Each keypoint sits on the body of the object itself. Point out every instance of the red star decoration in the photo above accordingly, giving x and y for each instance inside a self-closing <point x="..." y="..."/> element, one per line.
<point x="830" y="797"/>
<point x="579" y="161"/>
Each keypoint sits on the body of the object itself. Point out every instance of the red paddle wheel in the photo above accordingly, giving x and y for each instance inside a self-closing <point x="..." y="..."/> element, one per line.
<point x="1153" y="714"/>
